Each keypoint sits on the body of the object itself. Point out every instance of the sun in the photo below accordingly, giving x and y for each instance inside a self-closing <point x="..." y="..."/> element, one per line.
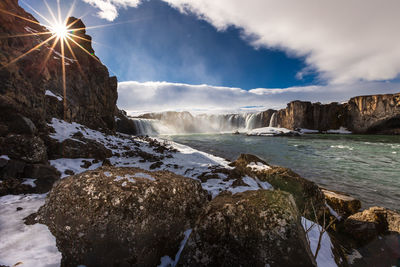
<point x="60" y="30"/>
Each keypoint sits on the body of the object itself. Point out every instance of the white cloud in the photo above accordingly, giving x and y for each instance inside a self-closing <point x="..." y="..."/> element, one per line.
<point x="346" y="41"/>
<point x="136" y="97"/>
<point x="109" y="8"/>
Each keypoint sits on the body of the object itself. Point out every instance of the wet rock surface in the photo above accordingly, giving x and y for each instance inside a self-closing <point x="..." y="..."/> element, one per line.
<point x="254" y="228"/>
<point x="121" y="216"/>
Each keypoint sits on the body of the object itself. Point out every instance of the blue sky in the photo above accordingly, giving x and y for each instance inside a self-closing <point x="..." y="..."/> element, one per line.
<point x="309" y="49"/>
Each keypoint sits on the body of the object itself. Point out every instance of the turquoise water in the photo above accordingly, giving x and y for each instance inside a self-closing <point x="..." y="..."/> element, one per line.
<point x="365" y="166"/>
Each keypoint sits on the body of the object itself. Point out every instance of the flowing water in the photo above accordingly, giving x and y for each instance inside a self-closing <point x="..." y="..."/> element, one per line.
<point x="364" y="166"/>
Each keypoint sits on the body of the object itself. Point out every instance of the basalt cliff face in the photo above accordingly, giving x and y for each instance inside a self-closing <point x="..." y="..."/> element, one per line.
<point x="33" y="86"/>
<point x="375" y="114"/>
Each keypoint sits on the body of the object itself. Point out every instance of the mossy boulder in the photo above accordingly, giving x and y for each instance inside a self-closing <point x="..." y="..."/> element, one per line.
<point x="306" y="193"/>
<point x="254" y="228"/>
<point x="121" y="216"/>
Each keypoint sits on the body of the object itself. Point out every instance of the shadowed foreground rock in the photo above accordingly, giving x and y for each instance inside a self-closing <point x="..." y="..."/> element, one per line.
<point x="342" y="203"/>
<point x="121" y="216"/>
<point x="368" y="224"/>
<point x="254" y="228"/>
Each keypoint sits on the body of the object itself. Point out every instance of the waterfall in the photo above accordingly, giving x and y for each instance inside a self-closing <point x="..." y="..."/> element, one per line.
<point x="184" y="122"/>
<point x="273" y="122"/>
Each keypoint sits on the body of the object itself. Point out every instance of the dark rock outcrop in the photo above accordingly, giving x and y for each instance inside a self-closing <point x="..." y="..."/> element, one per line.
<point x="254" y="228"/>
<point x="91" y="93"/>
<point x="124" y="124"/>
<point x="368" y="224"/>
<point x="361" y="114"/>
<point x="121" y="216"/>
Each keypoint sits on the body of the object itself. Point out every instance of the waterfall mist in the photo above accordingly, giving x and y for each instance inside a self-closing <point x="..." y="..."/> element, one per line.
<point x="186" y="123"/>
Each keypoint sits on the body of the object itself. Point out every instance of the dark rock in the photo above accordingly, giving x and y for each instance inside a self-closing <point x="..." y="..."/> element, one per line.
<point x="126" y="221"/>
<point x="86" y="164"/>
<point x="19" y="124"/>
<point x="368" y="224"/>
<point x="14" y="186"/>
<point x="91" y="92"/>
<point x="342" y="203"/>
<point x="69" y="172"/>
<point x="45" y="176"/>
<point x="13" y="169"/>
<point x="83" y="148"/>
<point x="124" y="124"/>
<point x="23" y="147"/>
<point x="254" y="228"/>
<point x="19" y="208"/>
<point x="156" y="165"/>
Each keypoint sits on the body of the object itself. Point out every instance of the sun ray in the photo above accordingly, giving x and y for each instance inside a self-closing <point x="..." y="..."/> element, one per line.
<point x="50" y="10"/>
<point x="59" y="11"/>
<point x="84" y="49"/>
<point x="71" y="9"/>
<point x="51" y="49"/>
<point x="21" y="17"/>
<point x="25" y="35"/>
<point x="85" y="39"/>
<point x="76" y="59"/>
<point x="31" y="50"/>
<point x="37" y="12"/>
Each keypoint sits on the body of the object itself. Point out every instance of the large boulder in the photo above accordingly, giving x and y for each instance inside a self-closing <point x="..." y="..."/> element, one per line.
<point x="30" y="149"/>
<point x="368" y="224"/>
<point x="342" y="203"/>
<point x="307" y="195"/>
<point x="121" y="216"/>
<point x="254" y="228"/>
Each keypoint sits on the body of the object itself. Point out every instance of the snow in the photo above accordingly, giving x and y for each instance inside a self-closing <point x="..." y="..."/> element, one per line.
<point x="144" y="175"/>
<point x="127" y="177"/>
<point x="269" y="131"/>
<point x="325" y="256"/>
<point x="253" y="184"/>
<point x="74" y="165"/>
<point x="341" y="130"/>
<point x="333" y="212"/>
<point x="258" y="166"/>
<point x="50" y="93"/>
<point x="32" y="245"/>
<point x="30" y="182"/>
<point x="166" y="261"/>
<point x="4" y="157"/>
<point x="308" y="131"/>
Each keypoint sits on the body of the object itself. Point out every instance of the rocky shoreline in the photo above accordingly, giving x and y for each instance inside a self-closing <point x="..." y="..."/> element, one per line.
<point x="77" y="188"/>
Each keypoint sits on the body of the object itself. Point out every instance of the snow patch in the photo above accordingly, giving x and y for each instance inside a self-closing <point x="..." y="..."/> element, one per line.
<point x="144" y="175"/>
<point x="50" y="93"/>
<point x="308" y="131"/>
<point x="33" y="245"/>
<point x="4" y="157"/>
<point x="30" y="182"/>
<point x="74" y="165"/>
<point x="341" y="130"/>
<point x="258" y="166"/>
<point x="325" y="257"/>
<point x="269" y="131"/>
<point x="166" y="261"/>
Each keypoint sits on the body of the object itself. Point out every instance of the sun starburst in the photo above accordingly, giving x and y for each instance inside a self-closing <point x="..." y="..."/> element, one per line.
<point x="61" y="33"/>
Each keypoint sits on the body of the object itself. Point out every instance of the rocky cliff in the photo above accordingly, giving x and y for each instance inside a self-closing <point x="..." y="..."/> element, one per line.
<point x="33" y="86"/>
<point x="362" y="114"/>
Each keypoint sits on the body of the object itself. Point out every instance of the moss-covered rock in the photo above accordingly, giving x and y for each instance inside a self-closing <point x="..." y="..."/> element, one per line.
<point x="254" y="228"/>
<point x="306" y="193"/>
<point x="121" y="216"/>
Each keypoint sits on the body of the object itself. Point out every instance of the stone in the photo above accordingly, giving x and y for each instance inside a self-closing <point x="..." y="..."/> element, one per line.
<point x="13" y="169"/>
<point x="82" y="148"/>
<point x="254" y="228"/>
<point x="306" y="193"/>
<point x="19" y="124"/>
<point x="24" y="147"/>
<point x="44" y="174"/>
<point x="342" y="203"/>
<point x="366" y="225"/>
<point x="121" y="216"/>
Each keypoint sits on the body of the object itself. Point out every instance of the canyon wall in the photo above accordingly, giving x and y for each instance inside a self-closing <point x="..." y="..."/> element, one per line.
<point x="33" y="86"/>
